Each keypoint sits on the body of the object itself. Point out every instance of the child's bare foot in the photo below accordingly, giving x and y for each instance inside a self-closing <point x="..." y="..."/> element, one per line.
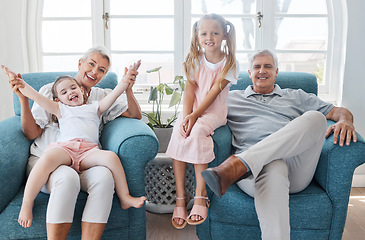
<point x="26" y="215"/>
<point x="129" y="201"/>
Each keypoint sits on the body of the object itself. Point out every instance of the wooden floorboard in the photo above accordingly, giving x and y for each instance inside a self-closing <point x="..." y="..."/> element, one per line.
<point x="355" y="222"/>
<point x="159" y="226"/>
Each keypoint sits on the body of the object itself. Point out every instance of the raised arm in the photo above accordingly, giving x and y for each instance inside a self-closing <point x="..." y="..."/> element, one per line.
<point x="47" y="104"/>
<point x="30" y="128"/>
<point x="29" y="92"/>
<point x="343" y="126"/>
<point x="122" y="86"/>
<point x="134" y="110"/>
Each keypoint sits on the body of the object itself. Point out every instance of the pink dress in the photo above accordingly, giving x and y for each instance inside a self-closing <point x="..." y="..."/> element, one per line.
<point x="198" y="147"/>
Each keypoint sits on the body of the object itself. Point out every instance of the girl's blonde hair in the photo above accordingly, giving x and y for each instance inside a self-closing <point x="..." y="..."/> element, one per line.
<point x="229" y="48"/>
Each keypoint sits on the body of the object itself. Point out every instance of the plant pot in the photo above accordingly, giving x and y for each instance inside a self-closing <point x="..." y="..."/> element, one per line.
<point x="163" y="135"/>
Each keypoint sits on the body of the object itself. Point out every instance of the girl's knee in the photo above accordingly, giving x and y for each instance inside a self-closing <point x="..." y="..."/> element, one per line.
<point x="110" y="156"/>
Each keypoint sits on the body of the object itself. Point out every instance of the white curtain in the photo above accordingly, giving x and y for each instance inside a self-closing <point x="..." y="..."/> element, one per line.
<point x="30" y="31"/>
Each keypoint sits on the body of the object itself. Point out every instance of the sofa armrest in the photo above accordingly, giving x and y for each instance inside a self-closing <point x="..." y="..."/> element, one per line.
<point x="337" y="164"/>
<point x="136" y="144"/>
<point x="14" y="153"/>
<point x="222" y="139"/>
<point x="334" y="174"/>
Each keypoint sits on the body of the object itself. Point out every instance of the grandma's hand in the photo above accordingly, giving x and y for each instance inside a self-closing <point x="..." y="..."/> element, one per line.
<point x="15" y="81"/>
<point x="130" y="74"/>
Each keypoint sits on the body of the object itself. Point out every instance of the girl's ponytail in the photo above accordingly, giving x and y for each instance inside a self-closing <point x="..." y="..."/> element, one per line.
<point x="193" y="55"/>
<point x="229" y="50"/>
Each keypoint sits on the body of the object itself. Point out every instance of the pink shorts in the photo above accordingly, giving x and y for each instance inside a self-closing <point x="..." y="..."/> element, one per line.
<point x="77" y="149"/>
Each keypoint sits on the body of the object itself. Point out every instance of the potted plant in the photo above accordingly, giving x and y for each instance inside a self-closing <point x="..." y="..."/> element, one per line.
<point x="162" y="128"/>
<point x="159" y="178"/>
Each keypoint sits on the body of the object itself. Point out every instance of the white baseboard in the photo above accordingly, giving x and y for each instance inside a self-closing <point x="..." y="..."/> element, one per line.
<point x="358" y="180"/>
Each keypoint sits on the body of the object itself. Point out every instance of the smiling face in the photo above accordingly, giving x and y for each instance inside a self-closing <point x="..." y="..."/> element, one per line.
<point x="68" y="92"/>
<point x="263" y="73"/>
<point x="92" y="70"/>
<point x="210" y="36"/>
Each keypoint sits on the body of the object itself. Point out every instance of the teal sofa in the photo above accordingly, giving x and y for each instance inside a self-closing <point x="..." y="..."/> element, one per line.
<point x="318" y="212"/>
<point x="133" y="141"/>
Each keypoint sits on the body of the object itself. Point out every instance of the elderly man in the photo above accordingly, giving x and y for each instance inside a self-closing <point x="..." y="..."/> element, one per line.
<point x="277" y="135"/>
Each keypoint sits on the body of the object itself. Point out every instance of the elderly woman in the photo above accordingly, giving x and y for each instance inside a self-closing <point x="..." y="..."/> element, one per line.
<point x="97" y="181"/>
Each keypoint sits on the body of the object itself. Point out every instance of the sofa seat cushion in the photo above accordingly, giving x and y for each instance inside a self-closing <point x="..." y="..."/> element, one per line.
<point x="237" y="208"/>
<point x="118" y="219"/>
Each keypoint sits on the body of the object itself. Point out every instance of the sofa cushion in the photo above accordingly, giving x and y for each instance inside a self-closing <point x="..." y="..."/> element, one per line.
<point x="237" y="208"/>
<point x="304" y="81"/>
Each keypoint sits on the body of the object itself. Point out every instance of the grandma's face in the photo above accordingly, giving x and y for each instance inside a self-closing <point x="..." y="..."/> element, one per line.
<point x="263" y="73"/>
<point x="92" y="70"/>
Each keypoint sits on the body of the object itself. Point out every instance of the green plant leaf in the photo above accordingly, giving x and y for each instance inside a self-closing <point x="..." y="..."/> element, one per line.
<point x="152" y="118"/>
<point x="153" y="94"/>
<point x="150" y="125"/>
<point x="175" y="99"/>
<point x="161" y="87"/>
<point x="170" y="121"/>
<point x="182" y="85"/>
<point x="157" y="95"/>
<point x="154" y="70"/>
<point x="168" y="89"/>
<point x="178" y="79"/>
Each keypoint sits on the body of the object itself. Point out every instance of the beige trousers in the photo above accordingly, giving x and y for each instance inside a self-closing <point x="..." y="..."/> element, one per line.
<point x="283" y="163"/>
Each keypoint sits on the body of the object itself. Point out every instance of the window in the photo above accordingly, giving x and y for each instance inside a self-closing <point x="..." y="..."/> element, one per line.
<point x="158" y="32"/>
<point x="66" y="32"/>
<point x="143" y="29"/>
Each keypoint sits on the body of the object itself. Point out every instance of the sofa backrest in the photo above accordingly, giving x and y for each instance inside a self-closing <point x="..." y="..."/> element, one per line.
<point x="37" y="80"/>
<point x="293" y="80"/>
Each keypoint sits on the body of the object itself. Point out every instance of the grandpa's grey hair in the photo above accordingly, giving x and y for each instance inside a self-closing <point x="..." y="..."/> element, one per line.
<point x="264" y="52"/>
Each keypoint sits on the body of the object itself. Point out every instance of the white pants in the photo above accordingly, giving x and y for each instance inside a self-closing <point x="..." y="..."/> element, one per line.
<point x="64" y="185"/>
<point x="283" y="163"/>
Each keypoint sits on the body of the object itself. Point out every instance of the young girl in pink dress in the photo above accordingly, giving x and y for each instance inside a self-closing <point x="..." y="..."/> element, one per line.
<point x="210" y="69"/>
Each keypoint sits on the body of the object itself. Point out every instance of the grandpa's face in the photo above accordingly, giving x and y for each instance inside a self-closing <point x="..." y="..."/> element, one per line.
<point x="263" y="73"/>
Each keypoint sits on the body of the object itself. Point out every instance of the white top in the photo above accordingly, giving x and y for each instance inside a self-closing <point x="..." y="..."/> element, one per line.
<point x="51" y="129"/>
<point x="231" y="75"/>
<point x="79" y="122"/>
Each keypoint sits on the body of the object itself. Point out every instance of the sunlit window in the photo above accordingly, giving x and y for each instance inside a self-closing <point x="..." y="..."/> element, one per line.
<point x="158" y="32"/>
<point x="66" y="33"/>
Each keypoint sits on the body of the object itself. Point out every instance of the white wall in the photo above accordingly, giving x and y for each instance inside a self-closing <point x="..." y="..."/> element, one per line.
<point x="11" y="53"/>
<point x="353" y="98"/>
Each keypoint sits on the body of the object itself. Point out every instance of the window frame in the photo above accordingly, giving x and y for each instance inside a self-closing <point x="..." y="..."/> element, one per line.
<point x="337" y="30"/>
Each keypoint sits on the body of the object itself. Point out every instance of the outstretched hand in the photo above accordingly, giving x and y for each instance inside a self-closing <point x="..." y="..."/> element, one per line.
<point x="15" y="81"/>
<point x="130" y="74"/>
<point x="343" y="129"/>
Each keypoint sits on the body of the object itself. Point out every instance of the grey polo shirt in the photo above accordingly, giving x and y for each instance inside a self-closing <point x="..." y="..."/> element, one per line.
<point x="252" y="116"/>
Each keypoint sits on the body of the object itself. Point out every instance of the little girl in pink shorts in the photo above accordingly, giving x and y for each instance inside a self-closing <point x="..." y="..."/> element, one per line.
<point x="77" y="143"/>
